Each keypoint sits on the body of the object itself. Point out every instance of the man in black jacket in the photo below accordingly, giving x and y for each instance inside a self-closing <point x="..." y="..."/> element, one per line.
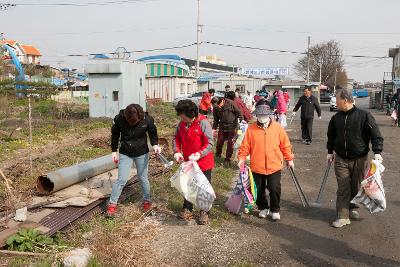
<point x="129" y="133"/>
<point x="226" y="116"/>
<point x="349" y="133"/>
<point x="308" y="103"/>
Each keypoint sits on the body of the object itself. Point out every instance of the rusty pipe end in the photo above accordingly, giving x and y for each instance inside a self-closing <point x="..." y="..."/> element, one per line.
<point x="44" y="185"/>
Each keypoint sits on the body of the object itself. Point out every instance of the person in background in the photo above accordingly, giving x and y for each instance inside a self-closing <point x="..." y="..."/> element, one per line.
<point x="205" y="104"/>
<point x="129" y="132"/>
<point x="287" y="97"/>
<point x="389" y="98"/>
<point x="227" y="88"/>
<point x="237" y="93"/>
<point x="281" y="108"/>
<point x="308" y="103"/>
<point x="396" y="106"/>
<point x="349" y="133"/>
<point x="241" y="105"/>
<point x="248" y="100"/>
<point x="257" y="96"/>
<point x="226" y="116"/>
<point x="268" y="146"/>
<point x="274" y="100"/>
<point x="193" y="140"/>
<point x="263" y="93"/>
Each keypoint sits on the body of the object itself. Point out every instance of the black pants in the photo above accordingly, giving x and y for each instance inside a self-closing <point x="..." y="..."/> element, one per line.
<point x="306" y="129"/>
<point x="186" y="204"/>
<point x="273" y="183"/>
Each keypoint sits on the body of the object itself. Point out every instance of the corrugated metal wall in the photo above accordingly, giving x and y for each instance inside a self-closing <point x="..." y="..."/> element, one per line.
<point x="168" y="88"/>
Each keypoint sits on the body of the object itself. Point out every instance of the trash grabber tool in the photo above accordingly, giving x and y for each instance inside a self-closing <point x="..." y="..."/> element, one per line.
<point x="291" y="120"/>
<point x="166" y="162"/>
<point x="298" y="189"/>
<point x="317" y="202"/>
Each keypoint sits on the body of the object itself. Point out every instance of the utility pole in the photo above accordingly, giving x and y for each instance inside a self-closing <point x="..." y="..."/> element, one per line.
<point x="198" y="39"/>
<point x="320" y="72"/>
<point x="308" y="59"/>
<point x="334" y="88"/>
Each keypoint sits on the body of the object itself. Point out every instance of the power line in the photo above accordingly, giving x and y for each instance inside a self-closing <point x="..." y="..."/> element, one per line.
<point x="254" y="29"/>
<point x="287" y="51"/>
<point x="133" y="51"/>
<point x="256" y="48"/>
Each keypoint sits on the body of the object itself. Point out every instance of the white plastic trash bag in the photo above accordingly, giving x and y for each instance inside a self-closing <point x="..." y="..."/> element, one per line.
<point x="191" y="182"/>
<point x="240" y="135"/>
<point x="372" y="193"/>
<point x="282" y="120"/>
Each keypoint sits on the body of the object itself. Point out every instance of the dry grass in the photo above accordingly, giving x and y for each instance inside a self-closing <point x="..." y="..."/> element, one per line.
<point x="122" y="241"/>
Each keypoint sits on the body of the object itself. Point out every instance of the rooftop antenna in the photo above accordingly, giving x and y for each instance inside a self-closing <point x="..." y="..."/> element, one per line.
<point x="121" y="53"/>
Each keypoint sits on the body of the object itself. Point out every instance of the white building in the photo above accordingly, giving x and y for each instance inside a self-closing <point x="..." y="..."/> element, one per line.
<point x="27" y="54"/>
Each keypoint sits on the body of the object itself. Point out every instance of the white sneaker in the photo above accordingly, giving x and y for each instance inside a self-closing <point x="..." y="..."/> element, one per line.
<point x="276" y="216"/>
<point x="263" y="213"/>
<point x="246" y="211"/>
<point x="340" y="223"/>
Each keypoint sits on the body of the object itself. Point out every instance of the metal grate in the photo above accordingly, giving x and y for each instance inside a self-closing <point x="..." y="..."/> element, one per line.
<point x="65" y="217"/>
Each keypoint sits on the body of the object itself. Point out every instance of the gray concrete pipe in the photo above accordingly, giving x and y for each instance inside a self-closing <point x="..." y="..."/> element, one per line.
<point x="62" y="178"/>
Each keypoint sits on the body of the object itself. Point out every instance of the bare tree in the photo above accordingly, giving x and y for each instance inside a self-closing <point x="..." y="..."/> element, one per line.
<point x="328" y="57"/>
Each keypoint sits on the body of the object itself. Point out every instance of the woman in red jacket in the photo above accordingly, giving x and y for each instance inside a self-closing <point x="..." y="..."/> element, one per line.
<point x="193" y="140"/>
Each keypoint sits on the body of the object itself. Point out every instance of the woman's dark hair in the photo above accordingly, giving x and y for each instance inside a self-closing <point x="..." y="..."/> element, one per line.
<point x="263" y="101"/>
<point x="133" y="113"/>
<point x="188" y="108"/>
<point x="230" y="95"/>
<point x="216" y="100"/>
<point x="211" y="91"/>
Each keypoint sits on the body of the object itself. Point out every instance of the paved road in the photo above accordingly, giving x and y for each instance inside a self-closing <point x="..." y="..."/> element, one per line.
<point x="303" y="237"/>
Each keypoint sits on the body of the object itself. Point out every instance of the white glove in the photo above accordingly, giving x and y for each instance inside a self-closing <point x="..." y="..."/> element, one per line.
<point x="290" y="164"/>
<point x="378" y="157"/>
<point x="330" y="158"/>
<point x="194" y="157"/>
<point x="157" y="149"/>
<point x="178" y="157"/>
<point x="241" y="164"/>
<point x="115" y="157"/>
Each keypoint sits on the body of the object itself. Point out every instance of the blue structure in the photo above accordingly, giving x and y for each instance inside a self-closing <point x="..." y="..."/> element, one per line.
<point x="18" y="66"/>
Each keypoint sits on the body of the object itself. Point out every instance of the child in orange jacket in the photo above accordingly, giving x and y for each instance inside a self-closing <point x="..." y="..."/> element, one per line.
<point x="268" y="146"/>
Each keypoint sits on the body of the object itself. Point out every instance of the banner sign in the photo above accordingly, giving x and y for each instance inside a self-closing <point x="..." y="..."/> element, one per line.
<point x="265" y="71"/>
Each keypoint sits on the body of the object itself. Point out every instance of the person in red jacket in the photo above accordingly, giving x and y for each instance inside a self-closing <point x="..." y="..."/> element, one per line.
<point x="205" y="103"/>
<point x="193" y="140"/>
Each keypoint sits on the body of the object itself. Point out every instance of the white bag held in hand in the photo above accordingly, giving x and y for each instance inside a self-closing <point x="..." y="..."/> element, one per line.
<point x="240" y="135"/>
<point x="191" y="182"/>
<point x="282" y="120"/>
<point x="372" y="194"/>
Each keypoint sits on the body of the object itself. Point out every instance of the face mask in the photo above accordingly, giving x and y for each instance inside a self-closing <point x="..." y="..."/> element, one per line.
<point x="263" y="119"/>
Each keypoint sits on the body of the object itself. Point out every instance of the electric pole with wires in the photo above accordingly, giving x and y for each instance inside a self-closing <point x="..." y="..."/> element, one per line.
<point x="308" y="59"/>
<point x="199" y="30"/>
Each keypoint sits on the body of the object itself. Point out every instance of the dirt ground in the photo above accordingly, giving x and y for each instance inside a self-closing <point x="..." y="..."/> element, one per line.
<point x="303" y="237"/>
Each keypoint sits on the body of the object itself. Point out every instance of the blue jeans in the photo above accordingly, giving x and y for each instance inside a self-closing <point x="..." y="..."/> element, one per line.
<point x="124" y="168"/>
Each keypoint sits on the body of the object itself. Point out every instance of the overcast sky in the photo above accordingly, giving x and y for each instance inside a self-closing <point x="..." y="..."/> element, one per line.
<point x="363" y="27"/>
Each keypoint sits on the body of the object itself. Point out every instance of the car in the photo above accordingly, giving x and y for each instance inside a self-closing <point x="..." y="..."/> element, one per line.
<point x="195" y="97"/>
<point x="325" y="96"/>
<point x="332" y="104"/>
